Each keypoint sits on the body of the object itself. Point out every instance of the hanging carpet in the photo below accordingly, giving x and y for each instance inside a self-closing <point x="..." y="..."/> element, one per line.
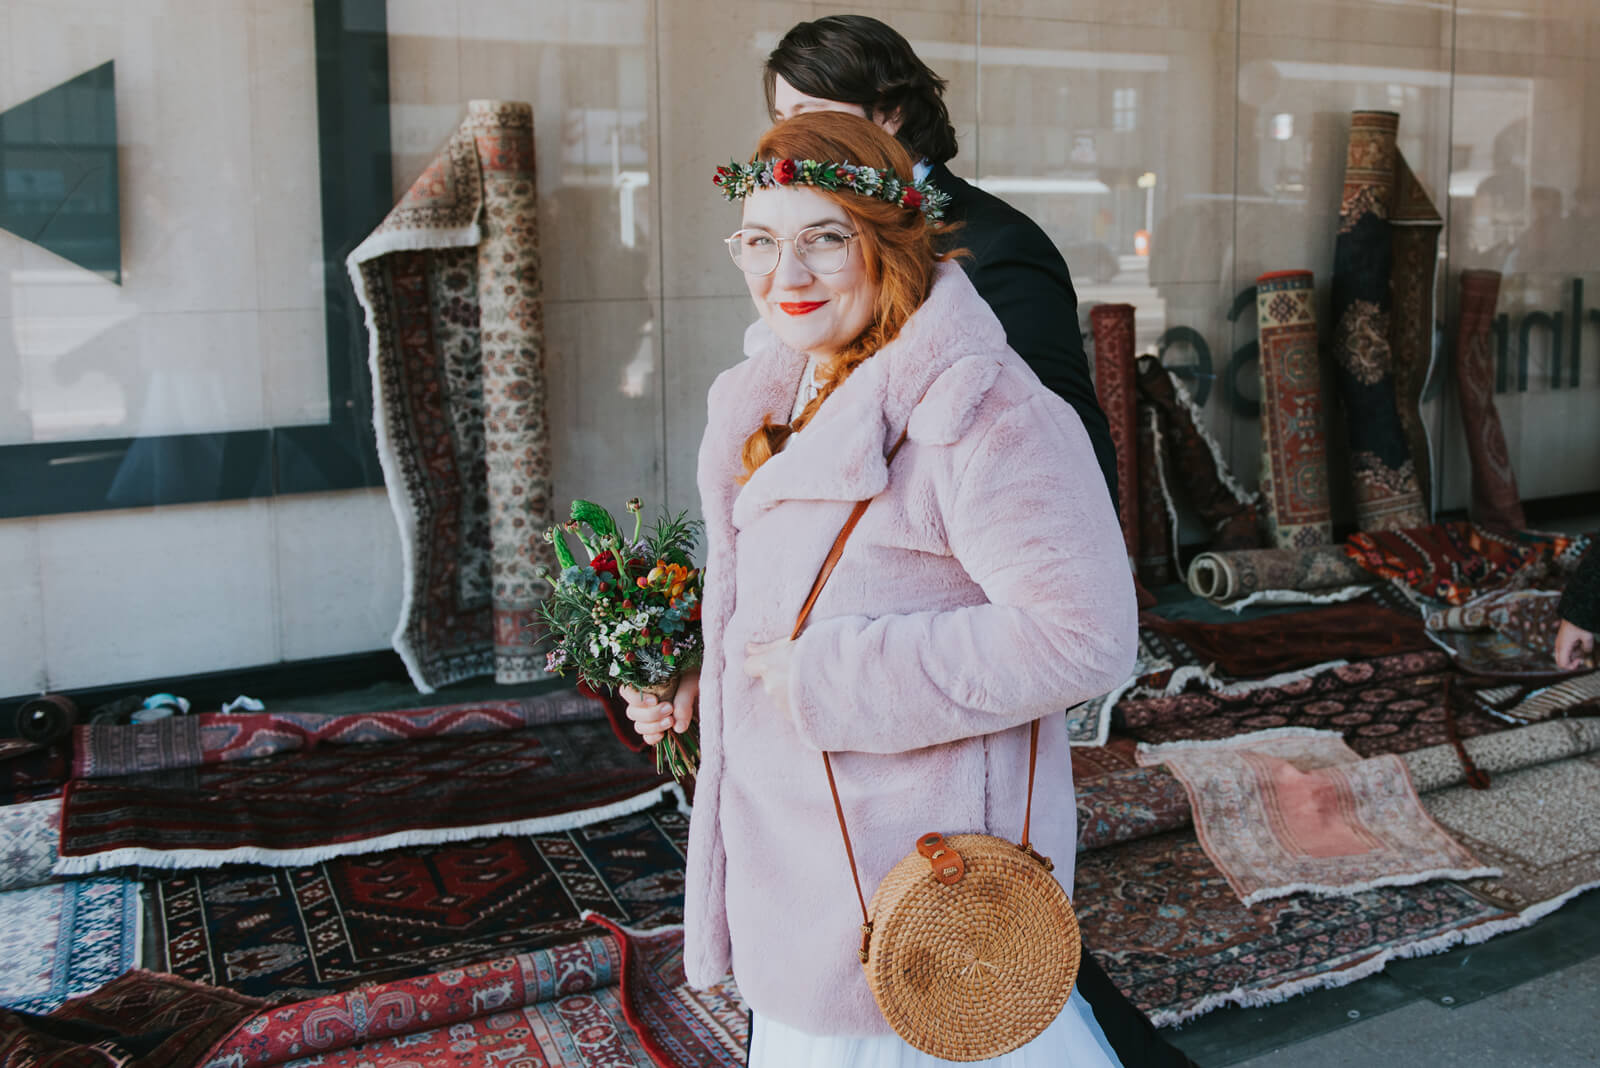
<point x="451" y="288"/>
<point x="1387" y="494"/>
<point x="1496" y="501"/>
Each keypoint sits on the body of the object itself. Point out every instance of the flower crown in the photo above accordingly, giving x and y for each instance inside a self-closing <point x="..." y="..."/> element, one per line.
<point x="738" y="180"/>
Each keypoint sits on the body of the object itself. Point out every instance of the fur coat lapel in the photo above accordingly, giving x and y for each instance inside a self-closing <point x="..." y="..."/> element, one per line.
<point x="840" y="454"/>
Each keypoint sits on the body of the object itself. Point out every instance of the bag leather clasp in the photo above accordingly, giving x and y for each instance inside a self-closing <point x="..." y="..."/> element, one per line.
<point x="948" y="867"/>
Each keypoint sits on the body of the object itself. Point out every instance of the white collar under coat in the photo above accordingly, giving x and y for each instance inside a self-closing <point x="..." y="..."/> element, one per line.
<point x="947" y="356"/>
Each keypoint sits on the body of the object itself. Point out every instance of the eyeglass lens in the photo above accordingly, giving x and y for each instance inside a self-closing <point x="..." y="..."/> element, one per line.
<point x="823" y="249"/>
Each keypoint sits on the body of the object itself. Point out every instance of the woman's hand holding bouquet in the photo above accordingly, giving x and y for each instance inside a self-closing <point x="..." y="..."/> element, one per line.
<point x="628" y="620"/>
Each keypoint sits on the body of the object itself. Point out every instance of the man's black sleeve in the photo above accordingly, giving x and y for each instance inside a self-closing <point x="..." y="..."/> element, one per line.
<point x="1580" y="603"/>
<point x="1022" y="276"/>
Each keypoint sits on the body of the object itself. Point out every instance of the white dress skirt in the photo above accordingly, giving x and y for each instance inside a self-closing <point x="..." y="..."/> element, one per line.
<point x="1073" y="1040"/>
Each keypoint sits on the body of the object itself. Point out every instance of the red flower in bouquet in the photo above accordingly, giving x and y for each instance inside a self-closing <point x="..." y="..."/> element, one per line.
<point x="605" y="563"/>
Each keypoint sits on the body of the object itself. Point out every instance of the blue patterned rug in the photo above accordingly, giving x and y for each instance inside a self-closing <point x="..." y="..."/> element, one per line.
<point x="66" y="938"/>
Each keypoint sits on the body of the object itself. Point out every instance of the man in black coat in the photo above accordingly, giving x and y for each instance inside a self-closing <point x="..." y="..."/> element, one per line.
<point x="857" y="64"/>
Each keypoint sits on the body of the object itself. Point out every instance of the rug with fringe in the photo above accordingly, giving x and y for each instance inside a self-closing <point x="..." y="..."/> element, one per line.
<point x="301" y="807"/>
<point x="555" y="1003"/>
<point x="294" y="933"/>
<point x="1289" y="811"/>
<point x="1389" y="704"/>
<point x="104" y="750"/>
<point x="1171" y="933"/>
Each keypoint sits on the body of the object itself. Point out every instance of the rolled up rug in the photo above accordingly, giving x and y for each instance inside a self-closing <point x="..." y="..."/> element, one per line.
<point x="1496" y="501"/>
<point x="1320" y="573"/>
<point x="1386" y="490"/>
<point x="1294" y="446"/>
<point x="1112" y="325"/>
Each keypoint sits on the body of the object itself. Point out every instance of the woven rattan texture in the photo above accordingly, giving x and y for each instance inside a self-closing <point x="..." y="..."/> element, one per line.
<point x="977" y="969"/>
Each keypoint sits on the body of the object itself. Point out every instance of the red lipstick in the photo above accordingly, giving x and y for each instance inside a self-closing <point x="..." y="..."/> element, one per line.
<point x="804" y="307"/>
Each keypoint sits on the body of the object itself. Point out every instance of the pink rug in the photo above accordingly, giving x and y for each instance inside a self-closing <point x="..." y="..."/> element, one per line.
<point x="1294" y="810"/>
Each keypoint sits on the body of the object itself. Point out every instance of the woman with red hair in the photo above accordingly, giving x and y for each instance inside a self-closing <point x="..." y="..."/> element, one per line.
<point x="984" y="589"/>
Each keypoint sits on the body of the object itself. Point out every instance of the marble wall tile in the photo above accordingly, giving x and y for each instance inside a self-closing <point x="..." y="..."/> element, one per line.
<point x="151" y="592"/>
<point x="1093" y="111"/>
<point x="294" y="367"/>
<point x="710" y="108"/>
<point x="1177" y="14"/>
<point x="22" y="652"/>
<point x="288" y="193"/>
<point x="591" y="83"/>
<point x="1530" y="27"/>
<point x="1418" y="23"/>
<point x="1295" y="100"/>
<point x="704" y="337"/>
<point x="338" y="572"/>
<point x="604" y="363"/>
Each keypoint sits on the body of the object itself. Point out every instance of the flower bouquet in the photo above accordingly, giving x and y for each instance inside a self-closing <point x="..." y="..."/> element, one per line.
<point x="630" y="615"/>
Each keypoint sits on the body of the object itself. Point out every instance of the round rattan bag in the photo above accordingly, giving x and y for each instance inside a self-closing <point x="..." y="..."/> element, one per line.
<point x="974" y="947"/>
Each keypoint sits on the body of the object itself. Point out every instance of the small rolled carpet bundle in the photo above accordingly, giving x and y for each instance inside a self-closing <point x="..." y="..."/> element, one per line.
<point x="1415" y="233"/>
<point x="1191" y="465"/>
<point x="1294" y="445"/>
<point x="1387" y="494"/>
<point x="1112" y="325"/>
<point x="1496" y="502"/>
<point x="1234" y="576"/>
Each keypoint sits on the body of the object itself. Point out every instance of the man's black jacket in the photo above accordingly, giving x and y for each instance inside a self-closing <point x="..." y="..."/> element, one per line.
<point x="1021" y="274"/>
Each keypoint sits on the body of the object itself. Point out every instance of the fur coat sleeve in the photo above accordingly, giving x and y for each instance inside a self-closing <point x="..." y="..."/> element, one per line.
<point x="1059" y="605"/>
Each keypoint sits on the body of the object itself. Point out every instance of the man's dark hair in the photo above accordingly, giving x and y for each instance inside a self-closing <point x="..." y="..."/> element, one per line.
<point x="855" y="59"/>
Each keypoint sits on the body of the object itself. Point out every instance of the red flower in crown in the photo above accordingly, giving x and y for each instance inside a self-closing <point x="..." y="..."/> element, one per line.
<point x="783" y="171"/>
<point x="720" y="177"/>
<point x="911" y="198"/>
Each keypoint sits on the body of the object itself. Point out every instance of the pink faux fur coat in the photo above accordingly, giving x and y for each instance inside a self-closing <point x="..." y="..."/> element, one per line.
<point x="987" y="586"/>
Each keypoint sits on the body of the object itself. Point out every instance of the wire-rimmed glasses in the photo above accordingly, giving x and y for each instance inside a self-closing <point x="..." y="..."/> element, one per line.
<point x="823" y="249"/>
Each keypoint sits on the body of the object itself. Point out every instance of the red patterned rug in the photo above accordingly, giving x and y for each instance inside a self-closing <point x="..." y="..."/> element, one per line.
<point x="300" y="807"/>
<point x="1390" y="704"/>
<point x="288" y="934"/>
<point x="410" y="1008"/>
<point x="1171" y="933"/>
<point x="679" y="1026"/>
<point x="1294" y="443"/>
<point x="216" y="737"/>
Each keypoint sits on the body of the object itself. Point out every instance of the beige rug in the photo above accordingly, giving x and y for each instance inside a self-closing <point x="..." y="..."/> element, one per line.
<point x="1289" y="811"/>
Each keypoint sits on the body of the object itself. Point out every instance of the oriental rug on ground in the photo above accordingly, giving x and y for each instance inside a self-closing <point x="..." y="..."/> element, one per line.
<point x="1294" y="446"/>
<point x="216" y="737"/>
<point x="1289" y="811"/>
<point x="1390" y="704"/>
<point x="680" y="1026"/>
<point x="64" y="939"/>
<point x="293" y="933"/>
<point x="1172" y="934"/>
<point x="300" y="807"/>
<point x="428" y="1004"/>
<point x="1539" y="825"/>
<point x="450" y="284"/>
<point x="141" y="1020"/>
